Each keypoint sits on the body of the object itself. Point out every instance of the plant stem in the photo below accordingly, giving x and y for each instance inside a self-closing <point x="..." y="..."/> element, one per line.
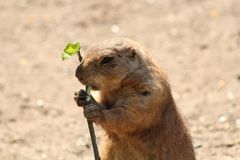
<point x="93" y="139"/>
<point x="91" y="130"/>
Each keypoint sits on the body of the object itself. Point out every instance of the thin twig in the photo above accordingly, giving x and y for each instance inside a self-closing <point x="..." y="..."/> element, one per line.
<point x="91" y="131"/>
<point x="93" y="139"/>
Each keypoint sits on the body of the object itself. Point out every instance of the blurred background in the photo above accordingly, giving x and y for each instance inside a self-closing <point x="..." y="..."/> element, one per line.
<point x="196" y="41"/>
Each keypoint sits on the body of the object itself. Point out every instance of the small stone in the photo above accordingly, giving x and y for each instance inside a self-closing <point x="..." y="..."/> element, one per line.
<point x="226" y="126"/>
<point x="25" y="97"/>
<point x="88" y="146"/>
<point x="115" y="28"/>
<point x="230" y="96"/>
<point x="12" y="120"/>
<point x="197" y="146"/>
<point x="40" y="103"/>
<point x="81" y="142"/>
<point x="18" y="140"/>
<point x="204" y="46"/>
<point x="237" y="121"/>
<point x="24" y="106"/>
<point x="56" y="113"/>
<point x="221" y="83"/>
<point x="222" y="119"/>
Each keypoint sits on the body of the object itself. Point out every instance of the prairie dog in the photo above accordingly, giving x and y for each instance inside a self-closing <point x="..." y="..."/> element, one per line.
<point x="136" y="108"/>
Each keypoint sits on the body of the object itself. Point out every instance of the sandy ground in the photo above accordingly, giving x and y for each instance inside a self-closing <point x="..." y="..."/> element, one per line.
<point x="197" y="41"/>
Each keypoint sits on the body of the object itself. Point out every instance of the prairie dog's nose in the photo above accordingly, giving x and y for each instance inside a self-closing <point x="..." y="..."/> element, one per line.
<point x="78" y="73"/>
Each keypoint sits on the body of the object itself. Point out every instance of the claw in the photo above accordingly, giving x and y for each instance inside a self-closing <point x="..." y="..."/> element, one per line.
<point x="76" y="93"/>
<point x="83" y="92"/>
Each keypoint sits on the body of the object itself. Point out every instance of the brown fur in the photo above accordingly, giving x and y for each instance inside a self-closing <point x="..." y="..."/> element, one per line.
<point x="136" y="108"/>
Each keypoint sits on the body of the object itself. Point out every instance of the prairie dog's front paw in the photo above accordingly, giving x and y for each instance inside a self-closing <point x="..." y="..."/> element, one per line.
<point x="92" y="112"/>
<point x="81" y="98"/>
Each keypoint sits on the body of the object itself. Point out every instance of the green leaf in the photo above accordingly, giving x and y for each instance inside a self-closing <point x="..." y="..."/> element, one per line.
<point x="70" y="50"/>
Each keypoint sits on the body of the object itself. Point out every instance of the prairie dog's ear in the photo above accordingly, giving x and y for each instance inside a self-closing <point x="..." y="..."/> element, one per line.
<point x="133" y="59"/>
<point x="126" y="51"/>
<point x="132" y="54"/>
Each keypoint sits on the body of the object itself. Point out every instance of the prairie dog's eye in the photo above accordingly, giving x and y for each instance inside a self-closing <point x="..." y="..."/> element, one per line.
<point x="106" y="60"/>
<point x="145" y="93"/>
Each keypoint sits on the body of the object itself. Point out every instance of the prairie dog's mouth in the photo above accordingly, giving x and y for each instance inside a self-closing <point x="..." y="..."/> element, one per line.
<point x="94" y="87"/>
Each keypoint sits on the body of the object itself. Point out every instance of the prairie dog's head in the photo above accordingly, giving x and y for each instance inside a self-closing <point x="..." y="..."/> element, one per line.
<point x="106" y="64"/>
